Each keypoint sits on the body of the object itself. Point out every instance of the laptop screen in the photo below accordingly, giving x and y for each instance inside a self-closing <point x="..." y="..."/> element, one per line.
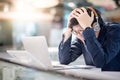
<point x="37" y="46"/>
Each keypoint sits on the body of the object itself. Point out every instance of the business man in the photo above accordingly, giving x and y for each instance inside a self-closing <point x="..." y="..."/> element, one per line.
<point x="99" y="42"/>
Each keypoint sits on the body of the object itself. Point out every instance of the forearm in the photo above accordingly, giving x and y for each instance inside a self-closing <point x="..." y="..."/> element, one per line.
<point x="94" y="47"/>
<point x="69" y="52"/>
<point x="64" y="55"/>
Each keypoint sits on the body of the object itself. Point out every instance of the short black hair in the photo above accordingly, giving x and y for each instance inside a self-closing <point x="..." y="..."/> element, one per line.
<point x="74" y="22"/>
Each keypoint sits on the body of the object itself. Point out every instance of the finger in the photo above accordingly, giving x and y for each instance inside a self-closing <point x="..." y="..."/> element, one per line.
<point x="74" y="10"/>
<point x="79" y="11"/>
<point x="70" y="16"/>
<point x="92" y="15"/>
<point x="84" y="10"/>
<point x="74" y="16"/>
<point x="77" y="14"/>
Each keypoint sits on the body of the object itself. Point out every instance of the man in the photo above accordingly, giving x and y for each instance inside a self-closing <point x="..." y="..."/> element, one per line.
<point x="97" y="41"/>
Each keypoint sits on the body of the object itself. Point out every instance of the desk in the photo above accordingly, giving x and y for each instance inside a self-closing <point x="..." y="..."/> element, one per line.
<point x="10" y="70"/>
<point x="93" y="74"/>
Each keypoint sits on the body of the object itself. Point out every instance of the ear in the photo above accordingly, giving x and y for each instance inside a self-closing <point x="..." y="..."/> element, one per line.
<point x="94" y="24"/>
<point x="96" y="27"/>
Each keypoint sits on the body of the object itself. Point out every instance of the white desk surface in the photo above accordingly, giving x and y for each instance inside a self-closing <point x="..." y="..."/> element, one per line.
<point x="94" y="73"/>
<point x="84" y="71"/>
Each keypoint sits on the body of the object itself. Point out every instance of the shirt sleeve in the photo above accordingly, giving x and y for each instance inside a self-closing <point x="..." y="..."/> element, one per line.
<point x="68" y="52"/>
<point x="102" y="55"/>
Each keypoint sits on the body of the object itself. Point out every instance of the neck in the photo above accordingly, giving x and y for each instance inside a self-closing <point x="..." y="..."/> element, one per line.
<point x="97" y="33"/>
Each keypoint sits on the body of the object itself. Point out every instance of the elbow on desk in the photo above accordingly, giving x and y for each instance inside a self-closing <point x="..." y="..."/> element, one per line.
<point x="99" y="61"/>
<point x="64" y="61"/>
<point x="99" y="64"/>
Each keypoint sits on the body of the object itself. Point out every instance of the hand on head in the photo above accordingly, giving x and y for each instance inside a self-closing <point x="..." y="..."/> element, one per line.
<point x="83" y="18"/>
<point x="83" y="21"/>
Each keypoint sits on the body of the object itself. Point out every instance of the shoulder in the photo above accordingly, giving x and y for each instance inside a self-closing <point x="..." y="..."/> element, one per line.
<point x="112" y="25"/>
<point x="113" y="29"/>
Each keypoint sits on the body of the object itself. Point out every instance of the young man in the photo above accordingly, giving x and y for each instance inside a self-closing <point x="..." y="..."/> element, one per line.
<point x="97" y="41"/>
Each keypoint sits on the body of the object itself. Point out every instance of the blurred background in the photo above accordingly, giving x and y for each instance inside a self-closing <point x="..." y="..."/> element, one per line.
<point x="19" y="18"/>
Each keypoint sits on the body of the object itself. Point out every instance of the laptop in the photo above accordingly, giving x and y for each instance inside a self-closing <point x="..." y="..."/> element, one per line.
<point x="25" y="57"/>
<point x="37" y="47"/>
<point x="36" y="54"/>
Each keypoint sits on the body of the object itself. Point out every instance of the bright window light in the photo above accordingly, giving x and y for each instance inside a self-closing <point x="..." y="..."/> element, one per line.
<point x="45" y="3"/>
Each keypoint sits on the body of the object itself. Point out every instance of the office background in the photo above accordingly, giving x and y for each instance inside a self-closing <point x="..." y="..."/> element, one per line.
<point x="19" y="18"/>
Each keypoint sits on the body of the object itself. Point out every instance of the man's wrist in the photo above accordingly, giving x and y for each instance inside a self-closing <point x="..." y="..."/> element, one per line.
<point x="87" y="28"/>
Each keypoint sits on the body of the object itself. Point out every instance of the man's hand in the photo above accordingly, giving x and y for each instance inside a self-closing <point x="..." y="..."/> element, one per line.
<point x="67" y="34"/>
<point x="83" y="18"/>
<point x="70" y="17"/>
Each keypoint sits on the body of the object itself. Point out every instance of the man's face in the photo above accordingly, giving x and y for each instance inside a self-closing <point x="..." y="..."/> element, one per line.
<point x="77" y="29"/>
